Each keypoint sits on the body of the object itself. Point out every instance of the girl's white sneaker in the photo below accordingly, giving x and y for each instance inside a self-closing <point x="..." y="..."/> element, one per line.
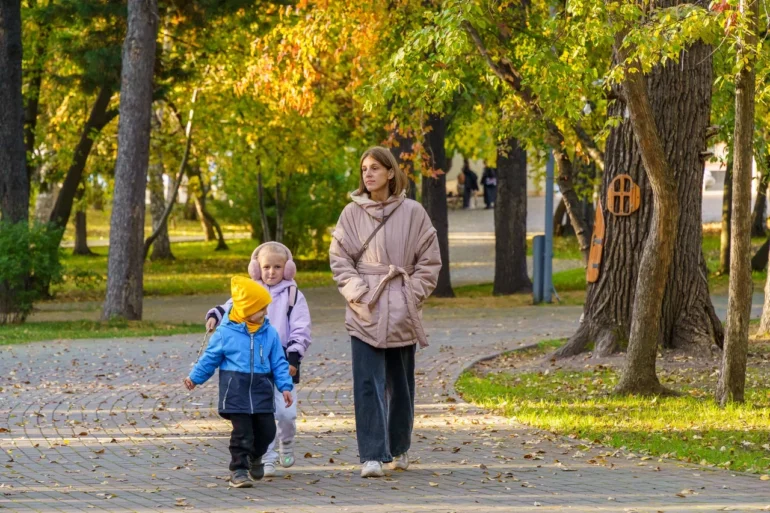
<point x="372" y="469"/>
<point x="401" y="462"/>
<point x="269" y="469"/>
<point x="286" y="451"/>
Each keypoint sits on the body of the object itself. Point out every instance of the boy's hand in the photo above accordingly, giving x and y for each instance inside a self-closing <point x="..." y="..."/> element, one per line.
<point x="292" y="371"/>
<point x="288" y="398"/>
<point x="188" y="383"/>
<point x="211" y="324"/>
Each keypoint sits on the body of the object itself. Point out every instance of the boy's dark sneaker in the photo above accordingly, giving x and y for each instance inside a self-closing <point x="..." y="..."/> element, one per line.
<point x="257" y="471"/>
<point x="240" y="479"/>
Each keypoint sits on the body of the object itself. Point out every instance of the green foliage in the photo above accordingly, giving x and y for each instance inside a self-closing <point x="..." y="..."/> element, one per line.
<point x="29" y="261"/>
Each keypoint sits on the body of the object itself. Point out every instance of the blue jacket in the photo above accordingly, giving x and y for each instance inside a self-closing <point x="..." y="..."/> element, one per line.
<point x="248" y="365"/>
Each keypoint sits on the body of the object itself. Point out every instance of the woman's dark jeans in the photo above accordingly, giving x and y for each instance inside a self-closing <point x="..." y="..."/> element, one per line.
<point x="383" y="391"/>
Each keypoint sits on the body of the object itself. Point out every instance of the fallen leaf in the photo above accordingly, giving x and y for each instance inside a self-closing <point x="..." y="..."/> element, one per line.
<point x="432" y="483"/>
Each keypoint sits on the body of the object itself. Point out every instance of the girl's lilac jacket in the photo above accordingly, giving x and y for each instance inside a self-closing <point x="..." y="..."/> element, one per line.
<point x="293" y="331"/>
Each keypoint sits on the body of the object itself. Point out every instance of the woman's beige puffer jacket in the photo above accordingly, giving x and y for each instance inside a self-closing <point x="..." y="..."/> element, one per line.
<point x="395" y="274"/>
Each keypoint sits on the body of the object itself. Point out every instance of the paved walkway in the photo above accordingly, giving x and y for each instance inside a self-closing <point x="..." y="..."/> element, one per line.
<point x="95" y="425"/>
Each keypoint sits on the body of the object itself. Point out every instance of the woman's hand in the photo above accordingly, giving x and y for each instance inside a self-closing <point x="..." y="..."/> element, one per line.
<point x="288" y="398"/>
<point x="211" y="324"/>
<point x="292" y="371"/>
<point x="188" y="383"/>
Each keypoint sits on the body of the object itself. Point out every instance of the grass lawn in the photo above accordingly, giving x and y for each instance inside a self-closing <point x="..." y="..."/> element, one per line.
<point x="198" y="269"/>
<point x="690" y="428"/>
<point x="99" y="225"/>
<point x="37" y="331"/>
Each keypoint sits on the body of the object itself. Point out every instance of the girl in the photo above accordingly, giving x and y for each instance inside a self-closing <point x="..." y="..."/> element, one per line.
<point x="385" y="270"/>
<point x="273" y="267"/>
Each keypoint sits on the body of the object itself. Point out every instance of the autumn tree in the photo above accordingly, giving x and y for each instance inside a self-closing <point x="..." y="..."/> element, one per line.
<point x="126" y="259"/>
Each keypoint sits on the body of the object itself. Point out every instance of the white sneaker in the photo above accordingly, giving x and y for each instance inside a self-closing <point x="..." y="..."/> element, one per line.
<point x="372" y="469"/>
<point x="400" y="462"/>
<point x="287" y="454"/>
<point x="269" y="469"/>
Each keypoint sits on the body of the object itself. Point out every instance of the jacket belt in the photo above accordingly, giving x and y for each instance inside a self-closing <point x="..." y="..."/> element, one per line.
<point x="388" y="273"/>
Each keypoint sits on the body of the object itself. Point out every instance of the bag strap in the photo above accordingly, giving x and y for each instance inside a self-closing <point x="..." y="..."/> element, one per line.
<point x="292" y="300"/>
<point x="385" y="218"/>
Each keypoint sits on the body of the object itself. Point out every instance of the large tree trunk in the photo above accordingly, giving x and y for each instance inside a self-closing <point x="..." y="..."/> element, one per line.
<point x="35" y="80"/>
<point x="680" y="96"/>
<point x="81" y="230"/>
<point x="14" y="181"/>
<point x="98" y="119"/>
<point x="511" y="220"/>
<point x="727" y="209"/>
<point x="759" y="212"/>
<point x="732" y="380"/>
<point x="402" y="150"/>
<point x="434" y="198"/>
<point x="161" y="247"/>
<point x="126" y="259"/>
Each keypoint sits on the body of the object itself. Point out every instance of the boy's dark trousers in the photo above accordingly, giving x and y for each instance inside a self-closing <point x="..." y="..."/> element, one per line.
<point x="383" y="392"/>
<point x="250" y="438"/>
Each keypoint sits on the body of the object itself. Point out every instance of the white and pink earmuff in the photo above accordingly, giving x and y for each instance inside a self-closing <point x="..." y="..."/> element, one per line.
<point x="255" y="271"/>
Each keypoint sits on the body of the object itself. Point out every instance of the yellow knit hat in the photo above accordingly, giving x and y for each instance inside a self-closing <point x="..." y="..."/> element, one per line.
<point x="248" y="298"/>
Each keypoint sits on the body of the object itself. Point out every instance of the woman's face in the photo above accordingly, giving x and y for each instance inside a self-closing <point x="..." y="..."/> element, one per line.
<point x="375" y="175"/>
<point x="272" y="265"/>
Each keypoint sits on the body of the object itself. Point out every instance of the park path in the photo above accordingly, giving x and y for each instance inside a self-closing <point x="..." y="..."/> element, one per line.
<point x="107" y="426"/>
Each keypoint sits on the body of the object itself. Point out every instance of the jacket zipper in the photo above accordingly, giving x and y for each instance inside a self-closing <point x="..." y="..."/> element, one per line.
<point x="251" y="374"/>
<point x="224" y="399"/>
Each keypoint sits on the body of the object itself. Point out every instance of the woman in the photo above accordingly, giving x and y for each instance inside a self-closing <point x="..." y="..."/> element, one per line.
<point x="385" y="259"/>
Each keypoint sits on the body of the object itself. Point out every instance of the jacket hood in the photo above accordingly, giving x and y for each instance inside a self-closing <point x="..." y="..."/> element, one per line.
<point x="375" y="208"/>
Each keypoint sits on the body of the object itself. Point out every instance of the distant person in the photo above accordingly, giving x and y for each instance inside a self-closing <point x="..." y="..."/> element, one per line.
<point x="471" y="184"/>
<point x="489" y="182"/>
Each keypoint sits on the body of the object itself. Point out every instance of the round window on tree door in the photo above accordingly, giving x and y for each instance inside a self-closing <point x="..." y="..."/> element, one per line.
<point x="623" y="196"/>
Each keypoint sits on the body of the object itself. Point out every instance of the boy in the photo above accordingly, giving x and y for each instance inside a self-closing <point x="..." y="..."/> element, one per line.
<point x="249" y="355"/>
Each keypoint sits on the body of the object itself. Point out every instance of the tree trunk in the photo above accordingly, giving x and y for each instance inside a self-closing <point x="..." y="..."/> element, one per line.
<point x="32" y="104"/>
<point x="81" y="231"/>
<point x="404" y="154"/>
<point x="98" y="119"/>
<point x="511" y="220"/>
<point x="732" y="380"/>
<point x="126" y="257"/>
<point x="759" y="212"/>
<point x="680" y="97"/>
<point x="14" y="181"/>
<point x="163" y="220"/>
<point x="759" y="260"/>
<point x="727" y="208"/>
<point x="434" y="198"/>
<point x="281" y="202"/>
<point x="266" y="237"/>
<point x="560" y="227"/>
<point x="206" y="226"/>
<point x="639" y="375"/>
<point x="206" y="217"/>
<point x="161" y="247"/>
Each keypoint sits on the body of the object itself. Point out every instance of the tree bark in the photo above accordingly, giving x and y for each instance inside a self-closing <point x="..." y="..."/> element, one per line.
<point x="32" y="104"/>
<point x="97" y="120"/>
<point x="266" y="237"/>
<point x="759" y="212"/>
<point x="732" y="380"/>
<point x="434" y="198"/>
<point x="163" y="220"/>
<point x="161" y="247"/>
<point x="680" y="97"/>
<point x="14" y="181"/>
<point x="639" y="375"/>
<point x="125" y="271"/>
<point x="764" y="323"/>
<point x="206" y="226"/>
<point x="281" y="203"/>
<point x="206" y="217"/>
<point x="727" y="208"/>
<point x="81" y="230"/>
<point x="511" y="220"/>
<point x="403" y="147"/>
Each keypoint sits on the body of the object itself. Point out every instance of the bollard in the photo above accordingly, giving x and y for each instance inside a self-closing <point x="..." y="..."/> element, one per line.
<point x="538" y="253"/>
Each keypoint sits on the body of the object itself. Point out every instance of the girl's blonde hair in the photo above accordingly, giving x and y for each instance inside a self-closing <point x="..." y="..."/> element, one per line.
<point x="398" y="184"/>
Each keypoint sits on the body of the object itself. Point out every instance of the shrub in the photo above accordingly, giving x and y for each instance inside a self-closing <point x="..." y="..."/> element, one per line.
<point x="29" y="263"/>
